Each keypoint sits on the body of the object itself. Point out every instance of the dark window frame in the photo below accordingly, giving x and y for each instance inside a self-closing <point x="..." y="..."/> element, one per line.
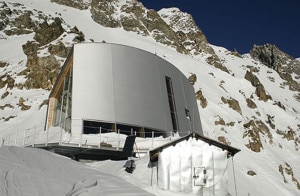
<point x="172" y="105"/>
<point x="187" y="114"/>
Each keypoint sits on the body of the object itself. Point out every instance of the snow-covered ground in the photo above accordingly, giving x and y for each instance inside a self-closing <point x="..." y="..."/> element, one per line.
<point x="26" y="171"/>
<point x="29" y="171"/>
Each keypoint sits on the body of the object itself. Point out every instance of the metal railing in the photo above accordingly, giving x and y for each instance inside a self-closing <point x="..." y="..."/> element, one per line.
<point x="106" y="138"/>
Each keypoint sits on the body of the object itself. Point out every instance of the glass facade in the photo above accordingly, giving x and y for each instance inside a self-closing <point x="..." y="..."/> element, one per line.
<point x="64" y="98"/>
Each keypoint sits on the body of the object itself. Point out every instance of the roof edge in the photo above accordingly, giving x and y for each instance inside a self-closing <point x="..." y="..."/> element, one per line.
<point x="231" y="150"/>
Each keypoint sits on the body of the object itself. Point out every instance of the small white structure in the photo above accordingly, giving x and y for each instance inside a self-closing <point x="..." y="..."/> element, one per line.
<point x="193" y="164"/>
<point x="116" y="87"/>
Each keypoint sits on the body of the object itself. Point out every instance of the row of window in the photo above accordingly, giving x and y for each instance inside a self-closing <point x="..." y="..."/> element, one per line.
<point x="96" y="127"/>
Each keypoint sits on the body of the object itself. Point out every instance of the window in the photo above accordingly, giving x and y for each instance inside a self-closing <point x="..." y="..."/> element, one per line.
<point x="64" y="97"/>
<point x="93" y="127"/>
<point x="187" y="114"/>
<point x="171" y="103"/>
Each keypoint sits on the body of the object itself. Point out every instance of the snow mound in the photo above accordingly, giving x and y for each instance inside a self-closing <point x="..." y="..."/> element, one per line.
<point x="31" y="171"/>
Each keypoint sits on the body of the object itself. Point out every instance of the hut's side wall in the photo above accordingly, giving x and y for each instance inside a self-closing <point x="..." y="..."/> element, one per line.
<point x="194" y="167"/>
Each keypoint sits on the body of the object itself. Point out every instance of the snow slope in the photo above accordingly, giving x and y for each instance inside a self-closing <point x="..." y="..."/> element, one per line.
<point x="18" y="163"/>
<point x="26" y="171"/>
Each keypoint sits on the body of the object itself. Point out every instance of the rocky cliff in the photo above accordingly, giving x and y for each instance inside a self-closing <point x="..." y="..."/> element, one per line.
<point x="286" y="66"/>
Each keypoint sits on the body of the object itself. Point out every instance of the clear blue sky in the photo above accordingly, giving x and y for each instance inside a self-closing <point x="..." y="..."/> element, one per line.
<point x="239" y="24"/>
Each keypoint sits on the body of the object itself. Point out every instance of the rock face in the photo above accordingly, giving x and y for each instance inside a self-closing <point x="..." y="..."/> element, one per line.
<point x="233" y="104"/>
<point x="251" y="173"/>
<point x="201" y="98"/>
<point x="79" y="4"/>
<point x="255" y="131"/>
<point x="193" y="79"/>
<point x="284" y="64"/>
<point x="286" y="170"/>
<point x="45" y="33"/>
<point x="270" y="55"/>
<point x="186" y="30"/>
<point x="250" y="103"/>
<point x="167" y="26"/>
<point x="40" y="70"/>
<point x="260" y="89"/>
<point x="103" y="13"/>
<point x="216" y="62"/>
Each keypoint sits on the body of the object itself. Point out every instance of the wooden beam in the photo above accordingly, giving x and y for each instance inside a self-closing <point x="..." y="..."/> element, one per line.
<point x="64" y="72"/>
<point x="51" y="111"/>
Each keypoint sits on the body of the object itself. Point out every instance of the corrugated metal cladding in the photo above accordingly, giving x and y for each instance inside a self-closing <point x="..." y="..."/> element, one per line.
<point x="121" y="84"/>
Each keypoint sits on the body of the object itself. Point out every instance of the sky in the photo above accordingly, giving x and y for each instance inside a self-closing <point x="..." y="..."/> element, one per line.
<point x="239" y="25"/>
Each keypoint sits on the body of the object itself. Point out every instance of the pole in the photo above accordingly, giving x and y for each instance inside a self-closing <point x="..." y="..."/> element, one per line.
<point x="24" y="137"/>
<point x="47" y="137"/>
<point x="33" y="137"/>
<point x="80" y="137"/>
<point x="118" y="139"/>
<point x="60" y="136"/>
<point x="100" y="137"/>
<point x="16" y="138"/>
<point x="152" y="140"/>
